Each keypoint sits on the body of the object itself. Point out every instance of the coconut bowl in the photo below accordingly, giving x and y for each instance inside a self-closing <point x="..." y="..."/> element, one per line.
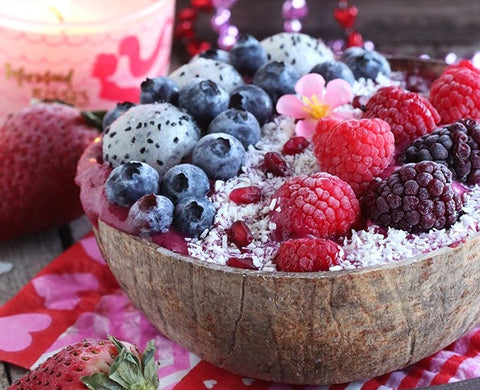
<point x="304" y="328"/>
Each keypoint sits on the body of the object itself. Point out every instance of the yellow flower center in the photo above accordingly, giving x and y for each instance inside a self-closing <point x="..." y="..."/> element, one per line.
<point x="315" y="108"/>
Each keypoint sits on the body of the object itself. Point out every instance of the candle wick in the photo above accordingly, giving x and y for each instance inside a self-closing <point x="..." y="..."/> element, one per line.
<point x="57" y="14"/>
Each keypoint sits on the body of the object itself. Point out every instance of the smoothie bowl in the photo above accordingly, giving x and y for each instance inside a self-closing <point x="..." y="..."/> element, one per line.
<point x="290" y="218"/>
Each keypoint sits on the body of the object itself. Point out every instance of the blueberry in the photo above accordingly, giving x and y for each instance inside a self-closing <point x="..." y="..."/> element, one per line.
<point x="247" y="55"/>
<point x="215" y="54"/>
<point x="331" y="70"/>
<point x="220" y="155"/>
<point x="158" y="89"/>
<point x="239" y="123"/>
<point x="203" y="99"/>
<point x="277" y="79"/>
<point x="366" y="63"/>
<point x="192" y="216"/>
<point x="130" y="181"/>
<point x="115" y="112"/>
<point x="151" y="214"/>
<point x="184" y="180"/>
<point x="253" y="99"/>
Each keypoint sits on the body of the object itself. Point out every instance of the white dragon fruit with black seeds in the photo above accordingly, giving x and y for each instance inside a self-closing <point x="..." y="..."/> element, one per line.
<point x="299" y="50"/>
<point x="159" y="134"/>
<point x="221" y="73"/>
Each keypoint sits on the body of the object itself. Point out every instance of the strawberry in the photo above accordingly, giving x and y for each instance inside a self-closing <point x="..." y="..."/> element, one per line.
<point x="107" y="364"/>
<point x="39" y="149"/>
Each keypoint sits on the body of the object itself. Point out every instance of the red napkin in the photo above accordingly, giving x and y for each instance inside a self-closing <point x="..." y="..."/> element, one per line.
<point x="76" y="297"/>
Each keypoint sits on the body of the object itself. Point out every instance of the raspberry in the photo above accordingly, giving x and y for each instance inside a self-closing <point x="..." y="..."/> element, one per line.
<point x="307" y="255"/>
<point x="415" y="198"/>
<point x="357" y="151"/>
<point x="456" y="146"/>
<point x="409" y="114"/>
<point x="321" y="205"/>
<point x="456" y="93"/>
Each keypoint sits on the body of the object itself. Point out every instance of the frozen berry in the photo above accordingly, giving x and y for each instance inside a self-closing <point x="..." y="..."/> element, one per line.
<point x="247" y="55"/>
<point x="246" y="195"/>
<point x="192" y="216"/>
<point x="184" y="180"/>
<point x="239" y="233"/>
<point x="321" y="205"/>
<point x="220" y="155"/>
<point x="331" y="70"/>
<point x="277" y="79"/>
<point x="356" y="150"/>
<point x="158" y="89"/>
<point x="456" y="93"/>
<point x="114" y="113"/>
<point x="456" y="146"/>
<point x="130" y="181"/>
<point x="307" y="255"/>
<point x="365" y="63"/>
<point x="151" y="214"/>
<point x="415" y="198"/>
<point x="275" y="164"/>
<point x="203" y="99"/>
<point x="409" y="114"/>
<point x="253" y="99"/>
<point x="241" y="124"/>
<point x="295" y="145"/>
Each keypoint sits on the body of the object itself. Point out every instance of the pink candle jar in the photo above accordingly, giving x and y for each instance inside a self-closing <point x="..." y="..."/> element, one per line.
<point x="87" y="53"/>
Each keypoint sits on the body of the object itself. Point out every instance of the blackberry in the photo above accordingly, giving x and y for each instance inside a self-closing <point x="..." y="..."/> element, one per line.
<point x="415" y="198"/>
<point x="456" y="146"/>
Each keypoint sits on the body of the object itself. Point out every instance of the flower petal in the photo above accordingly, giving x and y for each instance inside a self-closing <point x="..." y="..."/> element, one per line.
<point x="306" y="128"/>
<point x="290" y="105"/>
<point x="311" y="84"/>
<point x="338" y="92"/>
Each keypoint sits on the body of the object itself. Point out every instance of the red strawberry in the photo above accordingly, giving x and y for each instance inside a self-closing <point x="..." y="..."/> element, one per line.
<point x="409" y="114"/>
<point x="39" y="149"/>
<point x="356" y="151"/>
<point x="456" y="93"/>
<point x="321" y="205"/>
<point x="107" y="364"/>
<point x="307" y="255"/>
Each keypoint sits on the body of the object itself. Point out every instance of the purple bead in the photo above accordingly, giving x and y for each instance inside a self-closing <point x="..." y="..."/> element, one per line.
<point x="226" y="42"/>
<point x="220" y="19"/>
<point x="294" y="9"/>
<point x="223" y="3"/>
<point x="293" y="25"/>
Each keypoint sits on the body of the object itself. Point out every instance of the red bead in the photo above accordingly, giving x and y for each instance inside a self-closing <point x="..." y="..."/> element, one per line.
<point x="246" y="195"/>
<point x="346" y="16"/>
<point x="295" y="145"/>
<point x="244" y="263"/>
<point x="187" y="14"/>
<point x="240" y="234"/>
<point x="195" y="47"/>
<point x="274" y="163"/>
<point x="354" y="39"/>
<point x="184" y="30"/>
<point x="204" y="5"/>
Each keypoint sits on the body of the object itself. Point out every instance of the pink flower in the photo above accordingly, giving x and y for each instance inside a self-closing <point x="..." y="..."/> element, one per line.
<point x="314" y="101"/>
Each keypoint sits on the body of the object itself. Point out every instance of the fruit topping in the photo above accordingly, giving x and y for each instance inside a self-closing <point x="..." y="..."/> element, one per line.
<point x="456" y="146"/>
<point x="240" y="234"/>
<point x="409" y="114"/>
<point x="332" y="69"/>
<point x="295" y="145"/>
<point x="367" y="64"/>
<point x="456" y="93"/>
<point x="159" y="134"/>
<point x="220" y="155"/>
<point x="307" y="255"/>
<point x="321" y="205"/>
<point x="151" y="214"/>
<point x="193" y="215"/>
<point x="214" y="54"/>
<point x="247" y="55"/>
<point x="357" y="150"/>
<point x="184" y="180"/>
<point x="115" y="112"/>
<point x="299" y="50"/>
<point x="238" y="123"/>
<point x="277" y="79"/>
<point x="241" y="262"/>
<point x="130" y="181"/>
<point x="158" y="89"/>
<point x="246" y="195"/>
<point x="275" y="164"/>
<point x="225" y="75"/>
<point x="415" y="198"/>
<point x="253" y="99"/>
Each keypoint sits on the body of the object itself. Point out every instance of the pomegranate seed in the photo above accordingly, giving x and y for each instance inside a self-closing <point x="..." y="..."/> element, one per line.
<point x="246" y="195"/>
<point x="360" y="101"/>
<point x="295" y="145"/>
<point x="274" y="163"/>
<point x="240" y="234"/>
<point x="245" y="263"/>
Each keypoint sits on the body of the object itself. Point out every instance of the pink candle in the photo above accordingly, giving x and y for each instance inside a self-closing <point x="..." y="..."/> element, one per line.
<point x="88" y="53"/>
